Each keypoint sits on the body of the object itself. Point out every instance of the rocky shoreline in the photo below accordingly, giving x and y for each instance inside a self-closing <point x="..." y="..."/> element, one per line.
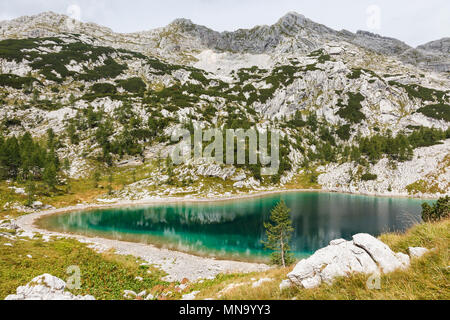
<point x="177" y="265"/>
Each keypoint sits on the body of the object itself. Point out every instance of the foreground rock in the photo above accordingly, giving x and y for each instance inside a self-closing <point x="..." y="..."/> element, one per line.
<point x="45" y="287"/>
<point x="364" y="254"/>
<point x="386" y="259"/>
<point x="417" y="252"/>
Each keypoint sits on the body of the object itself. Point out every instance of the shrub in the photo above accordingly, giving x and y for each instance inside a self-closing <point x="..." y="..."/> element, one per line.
<point x="16" y="82"/>
<point x="438" y="111"/>
<point x="12" y="122"/>
<point x="352" y="112"/>
<point x="134" y="85"/>
<point x="197" y="75"/>
<point x="416" y="91"/>
<point x="369" y="177"/>
<point x="344" y="132"/>
<point x="104" y="88"/>
<point x="110" y="69"/>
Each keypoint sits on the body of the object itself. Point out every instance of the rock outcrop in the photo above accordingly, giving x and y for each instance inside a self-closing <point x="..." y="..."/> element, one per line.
<point x="45" y="287"/>
<point x="417" y="252"/>
<point x="364" y="254"/>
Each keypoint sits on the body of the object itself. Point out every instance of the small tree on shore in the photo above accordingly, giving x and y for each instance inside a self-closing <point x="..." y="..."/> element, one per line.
<point x="439" y="211"/>
<point x="279" y="232"/>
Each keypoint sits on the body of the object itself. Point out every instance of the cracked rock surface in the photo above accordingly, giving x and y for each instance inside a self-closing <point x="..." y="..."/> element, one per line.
<point x="364" y="254"/>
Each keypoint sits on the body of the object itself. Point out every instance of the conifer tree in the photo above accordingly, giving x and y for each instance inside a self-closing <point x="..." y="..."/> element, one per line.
<point x="31" y="190"/>
<point x="279" y="232"/>
<point x="49" y="176"/>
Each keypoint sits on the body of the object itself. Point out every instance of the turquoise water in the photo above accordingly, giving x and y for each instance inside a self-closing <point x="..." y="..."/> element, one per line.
<point x="235" y="228"/>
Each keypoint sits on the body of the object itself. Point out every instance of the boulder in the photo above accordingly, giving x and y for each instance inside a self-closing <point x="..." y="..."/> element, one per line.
<point x="190" y="296"/>
<point x="258" y="283"/>
<point x="365" y="254"/>
<point x="386" y="259"/>
<point x="417" y="252"/>
<point x="37" y="205"/>
<point x="45" y="287"/>
<point x="129" y="294"/>
<point x="340" y="258"/>
<point x="285" y="284"/>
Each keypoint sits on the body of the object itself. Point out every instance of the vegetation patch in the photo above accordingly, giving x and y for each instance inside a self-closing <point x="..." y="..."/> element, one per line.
<point x="103" y="275"/>
<point x="369" y="177"/>
<point x="110" y="69"/>
<point x="16" y="82"/>
<point x="436" y="111"/>
<point x="438" y="211"/>
<point x="103" y="88"/>
<point x="417" y="91"/>
<point x="134" y="85"/>
<point x="351" y="111"/>
<point x="344" y="132"/>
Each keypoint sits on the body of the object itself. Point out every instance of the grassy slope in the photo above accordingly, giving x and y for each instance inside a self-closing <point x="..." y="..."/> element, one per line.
<point x="103" y="275"/>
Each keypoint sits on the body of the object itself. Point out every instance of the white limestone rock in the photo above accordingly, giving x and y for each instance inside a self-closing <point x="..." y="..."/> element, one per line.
<point x="190" y="296"/>
<point x="285" y="284"/>
<point x="258" y="283"/>
<point x="387" y="260"/>
<point x="129" y="294"/>
<point x="417" y="252"/>
<point x="364" y="254"/>
<point x="45" y="287"/>
<point x="341" y="258"/>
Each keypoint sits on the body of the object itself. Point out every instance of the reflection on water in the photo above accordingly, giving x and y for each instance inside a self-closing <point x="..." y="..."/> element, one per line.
<point x="236" y="228"/>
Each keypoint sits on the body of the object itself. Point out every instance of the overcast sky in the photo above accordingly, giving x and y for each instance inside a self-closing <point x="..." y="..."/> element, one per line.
<point x="413" y="21"/>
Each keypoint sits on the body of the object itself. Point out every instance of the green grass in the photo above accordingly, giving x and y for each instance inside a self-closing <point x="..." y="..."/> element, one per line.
<point x="104" y="276"/>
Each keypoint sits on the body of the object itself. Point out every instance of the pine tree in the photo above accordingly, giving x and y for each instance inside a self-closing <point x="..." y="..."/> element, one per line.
<point x="279" y="233"/>
<point x="50" y="173"/>
<point x="31" y="190"/>
<point x="96" y="178"/>
<point x="110" y="181"/>
<point x="170" y="173"/>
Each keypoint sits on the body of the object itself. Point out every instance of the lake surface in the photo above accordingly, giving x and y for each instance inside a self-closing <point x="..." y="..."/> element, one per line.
<point x="234" y="229"/>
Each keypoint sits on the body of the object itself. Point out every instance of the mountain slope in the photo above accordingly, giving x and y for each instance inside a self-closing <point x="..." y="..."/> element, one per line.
<point x="351" y="119"/>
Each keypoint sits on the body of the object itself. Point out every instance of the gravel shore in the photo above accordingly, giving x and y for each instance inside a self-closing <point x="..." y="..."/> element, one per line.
<point x="177" y="265"/>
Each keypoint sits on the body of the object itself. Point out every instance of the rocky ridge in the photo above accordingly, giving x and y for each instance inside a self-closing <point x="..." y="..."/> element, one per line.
<point x="182" y="39"/>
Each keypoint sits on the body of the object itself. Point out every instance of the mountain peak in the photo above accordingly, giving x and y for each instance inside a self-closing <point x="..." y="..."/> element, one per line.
<point x="182" y="22"/>
<point x="293" y="17"/>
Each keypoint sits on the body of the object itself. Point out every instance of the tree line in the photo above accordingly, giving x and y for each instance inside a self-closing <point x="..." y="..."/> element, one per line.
<point x="24" y="159"/>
